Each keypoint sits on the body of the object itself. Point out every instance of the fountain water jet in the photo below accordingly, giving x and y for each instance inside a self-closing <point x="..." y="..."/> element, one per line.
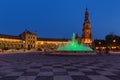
<point x="73" y="45"/>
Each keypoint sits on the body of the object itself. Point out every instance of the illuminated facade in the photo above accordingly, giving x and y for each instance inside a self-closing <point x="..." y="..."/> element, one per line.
<point x="28" y="40"/>
<point x="50" y="43"/>
<point x="10" y="42"/>
<point x="112" y="42"/>
<point x="86" y="37"/>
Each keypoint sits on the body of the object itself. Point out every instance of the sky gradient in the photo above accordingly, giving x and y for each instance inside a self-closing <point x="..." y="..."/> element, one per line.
<point x="59" y="18"/>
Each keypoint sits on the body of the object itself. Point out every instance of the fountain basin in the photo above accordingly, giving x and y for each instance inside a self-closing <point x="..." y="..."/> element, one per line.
<point x="73" y="53"/>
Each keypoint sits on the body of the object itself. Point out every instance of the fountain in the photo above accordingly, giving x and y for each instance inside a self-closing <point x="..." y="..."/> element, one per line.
<point x="73" y="45"/>
<point x="74" y="48"/>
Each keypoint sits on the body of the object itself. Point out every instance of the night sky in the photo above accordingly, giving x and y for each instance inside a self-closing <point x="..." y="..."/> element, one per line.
<point x="59" y="18"/>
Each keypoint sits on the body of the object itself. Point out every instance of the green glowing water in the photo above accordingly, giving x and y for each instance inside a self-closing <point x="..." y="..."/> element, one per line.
<point x="74" y="46"/>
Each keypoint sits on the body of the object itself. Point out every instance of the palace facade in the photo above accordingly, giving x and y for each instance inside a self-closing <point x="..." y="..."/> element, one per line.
<point x="29" y="40"/>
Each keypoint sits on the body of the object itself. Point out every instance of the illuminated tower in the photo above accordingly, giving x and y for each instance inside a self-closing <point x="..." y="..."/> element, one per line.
<point x="86" y="31"/>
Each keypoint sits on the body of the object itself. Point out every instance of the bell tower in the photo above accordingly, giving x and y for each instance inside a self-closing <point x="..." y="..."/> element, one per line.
<point x="86" y="37"/>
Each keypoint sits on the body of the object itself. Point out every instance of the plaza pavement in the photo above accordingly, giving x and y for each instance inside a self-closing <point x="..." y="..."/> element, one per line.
<point x="35" y="66"/>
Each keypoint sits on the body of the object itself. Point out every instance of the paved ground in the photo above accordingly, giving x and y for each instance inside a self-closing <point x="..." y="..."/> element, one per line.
<point x="34" y="66"/>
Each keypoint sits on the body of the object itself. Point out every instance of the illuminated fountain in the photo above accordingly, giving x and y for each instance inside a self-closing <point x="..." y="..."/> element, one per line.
<point x="73" y="47"/>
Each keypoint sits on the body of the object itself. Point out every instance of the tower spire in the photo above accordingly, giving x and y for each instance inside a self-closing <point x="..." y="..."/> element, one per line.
<point x="86" y="15"/>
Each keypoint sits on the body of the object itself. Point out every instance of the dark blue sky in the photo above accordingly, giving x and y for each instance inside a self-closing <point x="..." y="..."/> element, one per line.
<point x="59" y="18"/>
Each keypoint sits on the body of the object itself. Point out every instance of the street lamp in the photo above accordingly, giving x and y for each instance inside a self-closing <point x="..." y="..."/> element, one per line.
<point x="114" y="41"/>
<point x="24" y="45"/>
<point x="114" y="44"/>
<point x="99" y="42"/>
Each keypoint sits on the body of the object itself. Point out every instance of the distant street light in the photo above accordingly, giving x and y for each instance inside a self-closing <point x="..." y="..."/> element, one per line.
<point x="114" y="41"/>
<point x="99" y="42"/>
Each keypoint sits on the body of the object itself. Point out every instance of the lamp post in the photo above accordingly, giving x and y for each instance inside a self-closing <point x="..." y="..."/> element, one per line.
<point x="114" y="43"/>
<point x="24" y="45"/>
